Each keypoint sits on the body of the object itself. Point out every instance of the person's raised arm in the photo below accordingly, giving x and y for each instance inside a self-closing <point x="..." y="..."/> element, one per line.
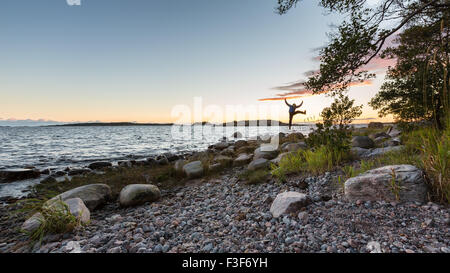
<point x="299" y="105"/>
<point x="287" y="103"/>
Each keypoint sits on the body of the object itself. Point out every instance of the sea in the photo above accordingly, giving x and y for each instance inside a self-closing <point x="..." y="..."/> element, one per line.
<point x="58" y="147"/>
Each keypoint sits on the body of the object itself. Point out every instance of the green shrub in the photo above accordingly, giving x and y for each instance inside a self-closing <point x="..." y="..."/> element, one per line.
<point x="349" y="171"/>
<point x="314" y="161"/>
<point x="291" y="163"/>
<point x="426" y="148"/>
<point x="319" y="160"/>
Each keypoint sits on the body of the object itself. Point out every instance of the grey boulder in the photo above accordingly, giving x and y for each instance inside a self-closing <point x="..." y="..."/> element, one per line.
<point x="242" y="159"/>
<point x="99" y="165"/>
<point x="266" y="151"/>
<point x="9" y="175"/>
<point x="179" y="165"/>
<point x="391" y="183"/>
<point x="362" y="142"/>
<point x="288" y="202"/>
<point x="193" y="169"/>
<point x="256" y="164"/>
<point x="75" y="206"/>
<point x="280" y="157"/>
<point x="138" y="194"/>
<point x="93" y="195"/>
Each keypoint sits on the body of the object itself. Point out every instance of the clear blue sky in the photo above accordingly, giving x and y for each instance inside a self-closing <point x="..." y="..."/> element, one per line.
<point x="117" y="60"/>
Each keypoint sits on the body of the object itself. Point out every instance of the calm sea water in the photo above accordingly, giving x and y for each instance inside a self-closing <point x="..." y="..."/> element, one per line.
<point x="74" y="146"/>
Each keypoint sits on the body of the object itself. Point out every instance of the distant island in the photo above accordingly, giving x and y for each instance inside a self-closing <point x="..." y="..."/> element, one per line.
<point x="245" y="123"/>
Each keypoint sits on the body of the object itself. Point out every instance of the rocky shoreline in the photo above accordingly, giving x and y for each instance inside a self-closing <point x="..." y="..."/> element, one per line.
<point x="222" y="213"/>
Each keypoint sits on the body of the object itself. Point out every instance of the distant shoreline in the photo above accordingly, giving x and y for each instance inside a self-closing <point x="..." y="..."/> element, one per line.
<point x="235" y="124"/>
<point x="245" y="123"/>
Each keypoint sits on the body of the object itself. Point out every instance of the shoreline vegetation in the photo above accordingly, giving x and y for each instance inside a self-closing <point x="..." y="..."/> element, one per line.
<point x="276" y="198"/>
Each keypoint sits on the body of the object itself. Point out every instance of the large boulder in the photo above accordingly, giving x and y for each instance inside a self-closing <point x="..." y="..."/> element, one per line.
<point x="394" y="131"/>
<point x="288" y="202"/>
<point x="280" y="157"/>
<point x="259" y="163"/>
<point x="33" y="223"/>
<point x="9" y="175"/>
<point x="381" y="151"/>
<point x="75" y="206"/>
<point x="292" y="147"/>
<point x="93" y="195"/>
<point x="78" y="209"/>
<point x="193" y="169"/>
<point x="360" y="152"/>
<point x="266" y="151"/>
<point x="138" y="194"/>
<point x="362" y="142"/>
<point x="99" y="165"/>
<point x="242" y="159"/>
<point x="179" y="164"/>
<point x="78" y="171"/>
<point x="221" y="145"/>
<point x="388" y="183"/>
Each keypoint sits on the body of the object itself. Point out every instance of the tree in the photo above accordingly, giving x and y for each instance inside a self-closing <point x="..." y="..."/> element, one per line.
<point x="361" y="37"/>
<point x="416" y="88"/>
<point x="341" y="112"/>
<point x="334" y="133"/>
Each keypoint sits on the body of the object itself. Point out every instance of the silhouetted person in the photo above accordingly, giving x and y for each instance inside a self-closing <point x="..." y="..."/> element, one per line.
<point x="292" y="111"/>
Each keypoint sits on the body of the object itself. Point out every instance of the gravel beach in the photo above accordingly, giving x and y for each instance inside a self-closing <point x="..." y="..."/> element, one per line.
<point x="226" y="215"/>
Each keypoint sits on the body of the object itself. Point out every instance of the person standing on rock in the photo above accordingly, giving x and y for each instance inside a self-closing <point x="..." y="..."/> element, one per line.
<point x="292" y="111"/>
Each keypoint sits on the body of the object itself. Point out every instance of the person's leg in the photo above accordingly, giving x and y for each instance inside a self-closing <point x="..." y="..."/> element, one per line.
<point x="299" y="112"/>
<point x="290" y="120"/>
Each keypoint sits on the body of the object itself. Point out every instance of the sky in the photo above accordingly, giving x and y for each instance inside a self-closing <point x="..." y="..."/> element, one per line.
<point x="138" y="60"/>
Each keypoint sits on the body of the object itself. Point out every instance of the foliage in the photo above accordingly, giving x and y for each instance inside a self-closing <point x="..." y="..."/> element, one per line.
<point x="321" y="160"/>
<point x="291" y="163"/>
<point x="335" y="134"/>
<point x="416" y="88"/>
<point x="341" y="112"/>
<point x="435" y="155"/>
<point x="427" y="148"/>
<point x="314" y="161"/>
<point x="361" y="37"/>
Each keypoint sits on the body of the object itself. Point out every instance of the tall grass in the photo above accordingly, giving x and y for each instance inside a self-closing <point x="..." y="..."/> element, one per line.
<point x="427" y="148"/>
<point x="315" y="162"/>
<point x="435" y="155"/>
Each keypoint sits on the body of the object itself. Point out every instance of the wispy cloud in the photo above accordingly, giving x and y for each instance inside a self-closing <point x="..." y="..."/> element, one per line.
<point x="298" y="90"/>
